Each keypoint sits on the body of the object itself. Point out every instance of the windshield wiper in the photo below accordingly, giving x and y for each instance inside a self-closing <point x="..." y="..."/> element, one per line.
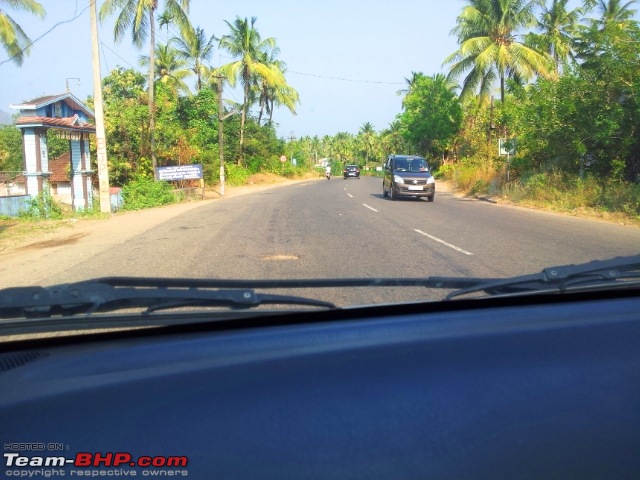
<point x="111" y="294"/>
<point x="153" y="294"/>
<point x="118" y="293"/>
<point x="619" y="272"/>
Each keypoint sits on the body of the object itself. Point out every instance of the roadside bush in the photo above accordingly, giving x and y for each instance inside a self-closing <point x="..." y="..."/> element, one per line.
<point x="43" y="206"/>
<point x="471" y="176"/>
<point x="568" y="193"/>
<point x="236" y="175"/>
<point x="444" y="172"/>
<point x="146" y="193"/>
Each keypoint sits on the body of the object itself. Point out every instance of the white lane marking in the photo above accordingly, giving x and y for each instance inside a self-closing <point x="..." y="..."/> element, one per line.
<point x="443" y="242"/>
<point x="350" y="195"/>
<point x="370" y="208"/>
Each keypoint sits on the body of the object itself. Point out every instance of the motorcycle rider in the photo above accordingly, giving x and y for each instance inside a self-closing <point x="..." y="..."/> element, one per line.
<point x="327" y="172"/>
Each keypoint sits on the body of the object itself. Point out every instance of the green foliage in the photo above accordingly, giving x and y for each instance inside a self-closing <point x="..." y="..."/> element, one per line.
<point x="586" y="121"/>
<point x="235" y="174"/>
<point x="121" y="85"/>
<point x="432" y="115"/>
<point x="10" y="149"/>
<point x="56" y="145"/>
<point x="126" y="125"/>
<point x="43" y="206"/>
<point x="147" y="193"/>
<point x="199" y="118"/>
<point x="569" y="193"/>
<point x="490" y="50"/>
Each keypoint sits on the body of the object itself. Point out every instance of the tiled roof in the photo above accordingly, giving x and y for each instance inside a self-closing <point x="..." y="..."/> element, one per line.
<point x="59" y="168"/>
<point x="36" y="102"/>
<point x="68" y="97"/>
<point x="67" y="122"/>
<point x="6" y="178"/>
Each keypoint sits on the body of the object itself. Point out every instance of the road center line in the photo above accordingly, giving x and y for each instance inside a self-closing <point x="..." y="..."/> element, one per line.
<point x="350" y="195"/>
<point x="370" y="208"/>
<point x="443" y="242"/>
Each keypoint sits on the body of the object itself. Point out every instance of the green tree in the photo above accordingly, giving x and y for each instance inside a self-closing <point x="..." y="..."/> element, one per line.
<point x="411" y="81"/>
<point x="392" y="140"/>
<point x="487" y="32"/>
<point x="588" y="119"/>
<point x="280" y="94"/>
<point x="245" y="43"/>
<point x="171" y="68"/>
<point x="367" y="138"/>
<point x="195" y="50"/>
<point x="10" y="149"/>
<point x="13" y="38"/>
<point x="432" y="115"/>
<point x="558" y="28"/>
<point x="615" y="13"/>
<point x="344" y="148"/>
<point x="126" y="125"/>
<point x="139" y="16"/>
<point x="164" y="20"/>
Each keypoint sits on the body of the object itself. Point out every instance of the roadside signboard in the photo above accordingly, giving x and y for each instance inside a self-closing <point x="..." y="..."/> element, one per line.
<point x="180" y="172"/>
<point x="283" y="158"/>
<point x="507" y="147"/>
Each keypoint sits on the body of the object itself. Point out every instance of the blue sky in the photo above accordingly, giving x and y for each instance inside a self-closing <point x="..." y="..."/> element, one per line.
<point x="347" y="59"/>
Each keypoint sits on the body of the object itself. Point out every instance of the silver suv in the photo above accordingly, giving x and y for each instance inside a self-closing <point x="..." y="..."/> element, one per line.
<point x="408" y="176"/>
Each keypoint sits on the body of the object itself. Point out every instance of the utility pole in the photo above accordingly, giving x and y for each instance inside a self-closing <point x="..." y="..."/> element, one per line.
<point x="101" y="142"/>
<point x="220" y="135"/>
<point x="221" y="119"/>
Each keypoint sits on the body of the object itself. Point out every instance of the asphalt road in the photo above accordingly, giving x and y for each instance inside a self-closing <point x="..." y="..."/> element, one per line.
<point x="345" y="228"/>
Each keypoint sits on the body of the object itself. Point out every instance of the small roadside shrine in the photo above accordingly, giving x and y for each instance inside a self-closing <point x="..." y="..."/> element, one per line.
<point x="71" y="118"/>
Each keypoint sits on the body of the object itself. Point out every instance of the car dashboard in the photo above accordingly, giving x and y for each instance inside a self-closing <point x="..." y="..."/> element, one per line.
<point x="520" y="388"/>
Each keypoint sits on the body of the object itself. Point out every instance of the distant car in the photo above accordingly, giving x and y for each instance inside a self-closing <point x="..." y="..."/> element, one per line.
<point x="351" y="171"/>
<point x="408" y="176"/>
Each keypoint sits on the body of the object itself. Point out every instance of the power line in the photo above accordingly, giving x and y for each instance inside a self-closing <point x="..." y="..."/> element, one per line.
<point x="104" y="57"/>
<point x="76" y="15"/>
<point x="121" y="58"/>
<point x="344" y="79"/>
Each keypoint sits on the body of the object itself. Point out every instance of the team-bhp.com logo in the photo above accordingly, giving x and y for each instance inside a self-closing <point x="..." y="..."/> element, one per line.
<point x="87" y="460"/>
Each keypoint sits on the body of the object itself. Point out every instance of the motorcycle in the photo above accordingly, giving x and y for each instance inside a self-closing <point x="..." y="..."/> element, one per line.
<point x="328" y="175"/>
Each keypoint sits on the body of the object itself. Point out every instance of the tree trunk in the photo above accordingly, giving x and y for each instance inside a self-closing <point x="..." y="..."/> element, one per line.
<point x="261" y="110"/>
<point x="242" y="121"/>
<point x="271" y="113"/>
<point x="152" y="104"/>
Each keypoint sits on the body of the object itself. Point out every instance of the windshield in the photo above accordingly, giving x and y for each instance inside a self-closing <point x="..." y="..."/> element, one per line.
<point x="214" y="141"/>
<point x="411" y="165"/>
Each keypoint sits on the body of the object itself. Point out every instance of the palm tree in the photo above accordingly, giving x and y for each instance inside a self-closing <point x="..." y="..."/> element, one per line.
<point x="280" y="94"/>
<point x="411" y="82"/>
<point x="283" y="95"/>
<point x="343" y="147"/>
<point x="614" y="12"/>
<point x="489" y="50"/>
<point x="558" y="28"/>
<point x="164" y="20"/>
<point x="14" y="41"/>
<point x="138" y="15"/>
<point x="171" y="68"/>
<point x="196" y="49"/>
<point x="316" y="145"/>
<point x="245" y="44"/>
<point x="367" y="136"/>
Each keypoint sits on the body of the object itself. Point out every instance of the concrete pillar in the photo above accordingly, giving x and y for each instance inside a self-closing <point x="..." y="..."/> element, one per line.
<point x="88" y="172"/>
<point x="81" y="188"/>
<point x="36" y="160"/>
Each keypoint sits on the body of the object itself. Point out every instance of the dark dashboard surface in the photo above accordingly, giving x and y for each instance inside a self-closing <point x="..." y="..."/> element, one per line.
<point x="539" y="390"/>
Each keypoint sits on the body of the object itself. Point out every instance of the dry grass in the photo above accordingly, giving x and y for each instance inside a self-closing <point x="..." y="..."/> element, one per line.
<point x="17" y="231"/>
<point x="607" y="200"/>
